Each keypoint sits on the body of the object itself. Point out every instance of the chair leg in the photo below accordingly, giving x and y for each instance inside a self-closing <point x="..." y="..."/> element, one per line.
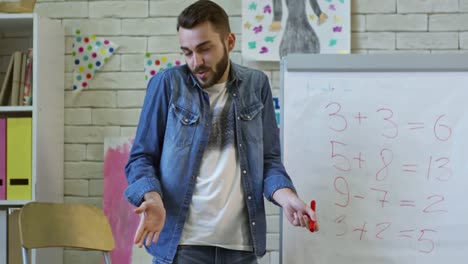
<point x="24" y="251"/>
<point x="107" y="258"/>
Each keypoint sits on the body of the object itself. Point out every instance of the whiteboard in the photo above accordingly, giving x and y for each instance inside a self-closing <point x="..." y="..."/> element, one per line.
<point x="381" y="143"/>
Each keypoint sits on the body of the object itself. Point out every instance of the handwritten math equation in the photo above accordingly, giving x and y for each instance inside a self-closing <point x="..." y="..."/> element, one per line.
<point x="347" y="163"/>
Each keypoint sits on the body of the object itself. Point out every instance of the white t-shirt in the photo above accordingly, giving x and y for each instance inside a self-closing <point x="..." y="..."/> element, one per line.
<point x="217" y="215"/>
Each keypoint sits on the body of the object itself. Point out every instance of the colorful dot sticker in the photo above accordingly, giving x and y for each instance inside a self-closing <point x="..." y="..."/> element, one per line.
<point x="90" y="53"/>
<point x="154" y="63"/>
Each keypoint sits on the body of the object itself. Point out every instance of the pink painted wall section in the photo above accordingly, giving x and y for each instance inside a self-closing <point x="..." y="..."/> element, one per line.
<point x="120" y="213"/>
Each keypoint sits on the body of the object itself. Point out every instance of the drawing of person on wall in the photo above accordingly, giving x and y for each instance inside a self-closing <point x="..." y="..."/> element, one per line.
<point x="298" y="36"/>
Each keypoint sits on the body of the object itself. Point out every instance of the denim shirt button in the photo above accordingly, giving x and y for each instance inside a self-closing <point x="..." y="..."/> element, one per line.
<point x="250" y="197"/>
<point x="234" y="94"/>
<point x="240" y="145"/>
<point x="253" y="223"/>
<point x="244" y="171"/>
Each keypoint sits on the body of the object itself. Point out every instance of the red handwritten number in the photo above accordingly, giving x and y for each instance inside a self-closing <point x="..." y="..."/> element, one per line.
<point x="337" y="116"/>
<point x="335" y="155"/>
<point x="383" y="172"/>
<point x="384" y="199"/>
<point x="444" y="162"/>
<point x="388" y="118"/>
<point x="362" y="230"/>
<point x="431" y="242"/>
<point x="429" y="168"/>
<point x="341" y="220"/>
<point x="437" y="130"/>
<point x="345" y="192"/>
<point x="386" y="226"/>
<point x="439" y="199"/>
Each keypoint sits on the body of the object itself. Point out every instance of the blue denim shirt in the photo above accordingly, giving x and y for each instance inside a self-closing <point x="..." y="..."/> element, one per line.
<point x="172" y="135"/>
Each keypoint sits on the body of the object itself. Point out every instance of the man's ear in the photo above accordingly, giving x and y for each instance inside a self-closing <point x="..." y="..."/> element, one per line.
<point x="231" y="41"/>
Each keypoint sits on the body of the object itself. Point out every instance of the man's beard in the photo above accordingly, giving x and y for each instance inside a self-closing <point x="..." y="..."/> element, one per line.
<point x="220" y="68"/>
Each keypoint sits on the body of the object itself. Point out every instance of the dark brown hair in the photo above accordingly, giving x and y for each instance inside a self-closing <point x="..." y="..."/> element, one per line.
<point x="203" y="11"/>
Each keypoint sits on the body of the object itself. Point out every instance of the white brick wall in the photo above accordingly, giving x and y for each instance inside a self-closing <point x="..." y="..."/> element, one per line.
<point x="112" y="104"/>
<point x="149" y="26"/>
<point x="396" y="22"/>
<point x="427" y="40"/>
<point x="372" y="6"/>
<point x="427" y="6"/>
<point x="99" y="26"/>
<point x="118" y="9"/>
<point x="448" y="22"/>
<point x="63" y="9"/>
<point x="463" y="6"/>
<point x="95" y="152"/>
<point x="75" y="152"/>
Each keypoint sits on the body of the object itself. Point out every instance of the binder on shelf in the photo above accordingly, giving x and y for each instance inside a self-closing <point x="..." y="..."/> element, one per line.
<point x="3" y="158"/>
<point x="19" y="158"/>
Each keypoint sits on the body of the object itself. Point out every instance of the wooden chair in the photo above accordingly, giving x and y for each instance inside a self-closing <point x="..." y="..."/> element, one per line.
<point x="21" y="6"/>
<point x="43" y="225"/>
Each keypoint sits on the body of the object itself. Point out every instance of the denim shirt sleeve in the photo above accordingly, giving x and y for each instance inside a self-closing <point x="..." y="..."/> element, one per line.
<point x="275" y="176"/>
<point x="142" y="167"/>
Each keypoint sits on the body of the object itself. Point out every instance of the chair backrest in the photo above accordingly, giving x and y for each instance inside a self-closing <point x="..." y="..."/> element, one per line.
<point x="64" y="225"/>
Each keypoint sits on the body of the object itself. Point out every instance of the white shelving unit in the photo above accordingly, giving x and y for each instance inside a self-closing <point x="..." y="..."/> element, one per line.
<point x="47" y="113"/>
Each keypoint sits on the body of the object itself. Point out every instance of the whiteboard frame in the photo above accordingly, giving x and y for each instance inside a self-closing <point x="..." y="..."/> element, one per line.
<point x="362" y="63"/>
<point x="374" y="62"/>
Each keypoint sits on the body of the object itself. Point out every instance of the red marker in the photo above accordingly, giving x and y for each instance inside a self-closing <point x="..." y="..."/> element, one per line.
<point x="312" y="223"/>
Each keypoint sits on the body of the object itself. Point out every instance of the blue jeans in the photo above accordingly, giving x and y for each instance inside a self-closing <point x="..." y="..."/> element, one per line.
<point x="212" y="255"/>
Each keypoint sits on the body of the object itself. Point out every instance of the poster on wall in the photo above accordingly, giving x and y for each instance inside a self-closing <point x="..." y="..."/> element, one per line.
<point x="90" y="53"/>
<point x="155" y="63"/>
<point x="271" y="29"/>
<point x="122" y="219"/>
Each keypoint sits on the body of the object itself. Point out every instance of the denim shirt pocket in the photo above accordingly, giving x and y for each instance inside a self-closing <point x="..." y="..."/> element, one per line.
<point x="252" y="122"/>
<point x="184" y="126"/>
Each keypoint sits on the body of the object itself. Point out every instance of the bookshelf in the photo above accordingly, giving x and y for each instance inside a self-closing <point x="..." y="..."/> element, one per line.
<point x="46" y="38"/>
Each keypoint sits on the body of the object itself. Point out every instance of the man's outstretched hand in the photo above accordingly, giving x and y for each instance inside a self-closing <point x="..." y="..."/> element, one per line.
<point x="152" y="218"/>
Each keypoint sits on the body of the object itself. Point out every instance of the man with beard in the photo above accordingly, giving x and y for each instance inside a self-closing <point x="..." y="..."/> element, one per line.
<point x="206" y="151"/>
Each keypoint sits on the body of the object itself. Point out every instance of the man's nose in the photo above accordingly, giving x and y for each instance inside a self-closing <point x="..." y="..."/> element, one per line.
<point x="197" y="60"/>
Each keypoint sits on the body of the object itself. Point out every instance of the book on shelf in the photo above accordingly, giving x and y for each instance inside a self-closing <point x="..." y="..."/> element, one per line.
<point x="5" y="89"/>
<point x="27" y="94"/>
<point x="22" y="79"/>
<point x="16" y="89"/>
